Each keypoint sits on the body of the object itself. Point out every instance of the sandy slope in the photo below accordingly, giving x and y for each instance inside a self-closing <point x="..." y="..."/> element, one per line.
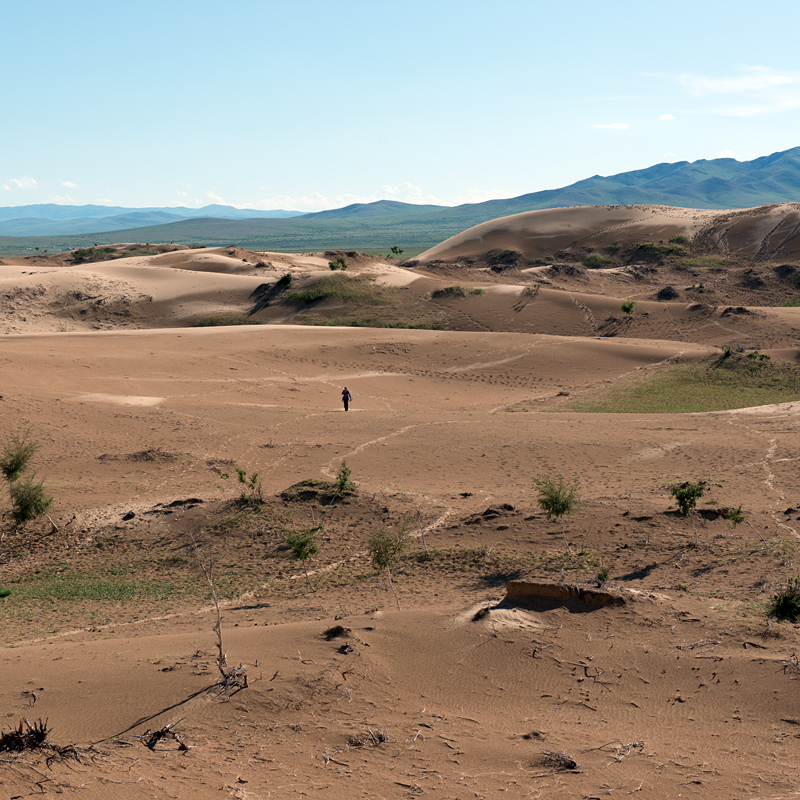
<point x="760" y="233"/>
<point x="683" y="691"/>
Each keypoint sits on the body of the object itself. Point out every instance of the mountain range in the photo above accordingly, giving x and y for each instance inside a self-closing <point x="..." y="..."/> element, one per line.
<point x="713" y="183"/>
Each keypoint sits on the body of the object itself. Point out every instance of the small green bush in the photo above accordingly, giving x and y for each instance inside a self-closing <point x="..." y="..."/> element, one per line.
<point x="680" y="239"/>
<point x="28" y="500"/>
<point x="340" y="263"/>
<point x="4" y="592"/>
<point x="735" y="516"/>
<point x="384" y="549"/>
<point x="687" y="494"/>
<point x="284" y="280"/>
<point x="250" y="493"/>
<point x="17" y="453"/>
<point x="343" y="483"/>
<point x="786" y="604"/>
<point x="302" y="545"/>
<point x="595" y="260"/>
<point x="628" y="306"/>
<point x="449" y="291"/>
<point x="557" y="497"/>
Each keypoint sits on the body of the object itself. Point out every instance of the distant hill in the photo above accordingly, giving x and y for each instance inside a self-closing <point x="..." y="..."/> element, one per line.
<point x="713" y="184"/>
<point x="48" y="219"/>
<point x="381" y="208"/>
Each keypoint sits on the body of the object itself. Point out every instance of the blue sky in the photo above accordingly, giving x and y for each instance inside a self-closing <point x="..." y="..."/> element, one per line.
<point x="313" y="105"/>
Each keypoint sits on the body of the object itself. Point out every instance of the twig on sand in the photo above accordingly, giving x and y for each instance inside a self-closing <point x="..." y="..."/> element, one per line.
<point x="235" y="677"/>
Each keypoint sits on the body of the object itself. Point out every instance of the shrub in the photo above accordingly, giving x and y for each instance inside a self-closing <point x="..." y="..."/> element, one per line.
<point x="384" y="550"/>
<point x="340" y="263"/>
<point x="396" y="251"/>
<point x="250" y="493"/>
<point x="17" y="453"/>
<point x="628" y="306"/>
<point x="786" y="604"/>
<point x="557" y="498"/>
<point x="735" y="516"/>
<point x="343" y="483"/>
<point x="595" y="260"/>
<point x="687" y="494"/>
<point x="302" y="545"/>
<point x="449" y="291"/>
<point x="680" y="239"/>
<point x="4" y="592"/>
<point x="284" y="280"/>
<point x="647" y="251"/>
<point x="28" y="500"/>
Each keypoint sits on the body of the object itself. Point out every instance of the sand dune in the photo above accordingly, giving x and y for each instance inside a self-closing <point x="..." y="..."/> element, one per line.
<point x="463" y="690"/>
<point x="756" y="233"/>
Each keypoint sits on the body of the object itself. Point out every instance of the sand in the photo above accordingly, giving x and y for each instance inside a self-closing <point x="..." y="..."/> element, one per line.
<point x="684" y="689"/>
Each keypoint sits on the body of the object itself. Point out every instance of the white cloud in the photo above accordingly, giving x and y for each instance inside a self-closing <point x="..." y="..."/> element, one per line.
<point x="214" y="198"/>
<point x="22" y="183"/>
<point x="6" y="187"/>
<point x="666" y="117"/>
<point x="614" y="126"/>
<point x="69" y="185"/>
<point x="479" y="196"/>
<point x="754" y="90"/>
<point x="728" y="154"/>
<point x="61" y="199"/>
<point x="671" y="156"/>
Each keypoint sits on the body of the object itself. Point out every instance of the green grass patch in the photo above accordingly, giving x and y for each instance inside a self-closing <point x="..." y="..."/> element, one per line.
<point x="714" y="384"/>
<point x="227" y="318"/>
<point x="703" y="262"/>
<point x="360" y="290"/>
<point x="647" y="251"/>
<point x="80" y="587"/>
<point x="596" y="260"/>
<point x="433" y="324"/>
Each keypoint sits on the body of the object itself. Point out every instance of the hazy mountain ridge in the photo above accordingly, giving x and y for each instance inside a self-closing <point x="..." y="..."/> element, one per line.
<point x="714" y="184"/>
<point x="45" y="219"/>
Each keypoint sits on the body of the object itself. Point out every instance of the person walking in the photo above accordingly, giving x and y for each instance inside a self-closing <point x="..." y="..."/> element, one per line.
<point x="346" y="398"/>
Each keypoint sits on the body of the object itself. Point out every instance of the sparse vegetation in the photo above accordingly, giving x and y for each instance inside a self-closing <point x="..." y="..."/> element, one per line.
<point x="687" y="494"/>
<point x="284" y="280"/>
<point x="338" y="264"/>
<point x="225" y="319"/>
<point x="557" y="497"/>
<point x="302" y="545"/>
<point x="384" y="549"/>
<point x="712" y="384"/>
<point x="249" y="486"/>
<point x="627" y="307"/>
<point x="17" y="451"/>
<point x="360" y="290"/>
<point x="449" y="291"/>
<point x="344" y="485"/>
<point x="735" y="516"/>
<point x="396" y="251"/>
<point x="785" y="605"/>
<point x="596" y="261"/>
<point x="680" y="239"/>
<point x="28" y="497"/>
<point x="85" y="255"/>
<point x="438" y="323"/>
<point x="648" y="251"/>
